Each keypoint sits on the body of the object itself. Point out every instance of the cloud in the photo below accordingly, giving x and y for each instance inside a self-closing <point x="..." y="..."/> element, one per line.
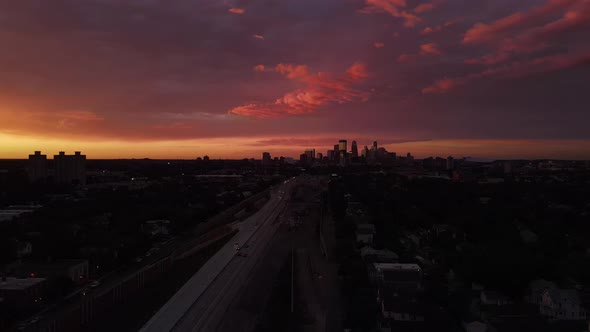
<point x="318" y="89"/>
<point x="258" y="68"/>
<point x="424" y="7"/>
<point x="514" y="70"/>
<point x="489" y="32"/>
<point x="378" y="45"/>
<point x="238" y="11"/>
<point x="261" y="37"/>
<point x="405" y="58"/>
<point x="438" y="28"/>
<point x="537" y="38"/>
<point x="393" y="8"/>
<point x="429" y="49"/>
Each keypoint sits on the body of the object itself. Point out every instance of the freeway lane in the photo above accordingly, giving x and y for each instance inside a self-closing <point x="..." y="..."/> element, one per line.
<point x="188" y="306"/>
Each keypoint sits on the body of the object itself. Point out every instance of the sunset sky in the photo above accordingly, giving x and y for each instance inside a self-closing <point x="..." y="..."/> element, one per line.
<point x="231" y="79"/>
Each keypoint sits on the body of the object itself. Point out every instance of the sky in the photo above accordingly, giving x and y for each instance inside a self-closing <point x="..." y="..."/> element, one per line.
<point x="234" y="78"/>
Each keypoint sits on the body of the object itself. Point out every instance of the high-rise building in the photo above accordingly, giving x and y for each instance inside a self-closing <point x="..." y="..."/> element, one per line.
<point x="70" y="169"/>
<point x="355" y="150"/>
<point x="365" y="151"/>
<point x="37" y="166"/>
<point x="375" y="146"/>
<point x="342" y="145"/>
<point x="310" y="154"/>
<point x="330" y="154"/>
<point x="266" y="159"/>
<point x="450" y="163"/>
<point x="320" y="156"/>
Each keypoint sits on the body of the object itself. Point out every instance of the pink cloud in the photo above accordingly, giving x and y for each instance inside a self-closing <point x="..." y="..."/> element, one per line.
<point x="405" y="58"/>
<point x="318" y="89"/>
<point x="537" y="38"/>
<point x="429" y="49"/>
<point x="515" y="70"/>
<point x="394" y="8"/>
<point x="238" y="11"/>
<point x="424" y="7"/>
<point x="429" y="30"/>
<point x="378" y="45"/>
<point x="489" y="32"/>
<point x="259" y="68"/>
<point x="261" y="37"/>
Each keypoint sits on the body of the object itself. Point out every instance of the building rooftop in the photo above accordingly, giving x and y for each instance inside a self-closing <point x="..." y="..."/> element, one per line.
<point x="396" y="266"/>
<point x="12" y="283"/>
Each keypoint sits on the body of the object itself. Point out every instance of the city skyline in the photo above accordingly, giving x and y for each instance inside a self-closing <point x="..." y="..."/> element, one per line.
<point x="150" y="79"/>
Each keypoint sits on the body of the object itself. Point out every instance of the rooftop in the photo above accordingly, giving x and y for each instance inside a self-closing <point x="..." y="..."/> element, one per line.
<point x="396" y="266"/>
<point x="12" y="283"/>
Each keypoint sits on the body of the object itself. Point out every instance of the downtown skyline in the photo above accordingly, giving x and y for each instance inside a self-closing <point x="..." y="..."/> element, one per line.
<point x="149" y="79"/>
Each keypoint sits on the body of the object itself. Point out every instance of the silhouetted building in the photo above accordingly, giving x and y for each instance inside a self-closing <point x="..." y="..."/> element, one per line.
<point x="450" y="163"/>
<point x="319" y="156"/>
<point x="22" y="294"/>
<point x="310" y="154"/>
<point x="330" y="154"/>
<point x="365" y="152"/>
<point x="375" y="147"/>
<point x="70" y="169"/>
<point x="342" y="145"/>
<point x="266" y="160"/>
<point x="355" y="150"/>
<point x="303" y="158"/>
<point x="37" y="166"/>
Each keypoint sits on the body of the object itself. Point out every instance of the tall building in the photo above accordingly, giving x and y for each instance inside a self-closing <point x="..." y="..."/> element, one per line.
<point x="320" y="156"/>
<point x="70" y="169"/>
<point x="342" y="145"/>
<point x="266" y="160"/>
<point x="375" y="147"/>
<point x="365" y="151"/>
<point x="450" y="163"/>
<point x="37" y="166"/>
<point x="310" y="154"/>
<point x="355" y="150"/>
<point x="330" y="154"/>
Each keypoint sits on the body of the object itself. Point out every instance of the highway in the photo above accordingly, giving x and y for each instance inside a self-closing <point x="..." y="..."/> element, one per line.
<point x="201" y="303"/>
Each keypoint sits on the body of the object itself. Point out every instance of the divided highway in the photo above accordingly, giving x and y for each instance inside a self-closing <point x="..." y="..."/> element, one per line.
<point x="201" y="303"/>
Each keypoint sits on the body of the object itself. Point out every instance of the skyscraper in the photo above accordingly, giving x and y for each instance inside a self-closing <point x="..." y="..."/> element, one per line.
<point x="375" y="147"/>
<point x="342" y="145"/>
<point x="355" y="150"/>
<point x="365" y="151"/>
<point x="310" y="154"/>
<point x="37" y="166"/>
<point x="70" y="169"/>
<point x="266" y="160"/>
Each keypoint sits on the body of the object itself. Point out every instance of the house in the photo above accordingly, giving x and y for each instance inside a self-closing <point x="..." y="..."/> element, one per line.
<point x="557" y="303"/>
<point x="371" y="255"/>
<point x="398" y="276"/>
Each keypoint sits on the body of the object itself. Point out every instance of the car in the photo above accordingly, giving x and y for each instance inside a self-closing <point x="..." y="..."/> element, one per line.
<point x="237" y="246"/>
<point x="94" y="283"/>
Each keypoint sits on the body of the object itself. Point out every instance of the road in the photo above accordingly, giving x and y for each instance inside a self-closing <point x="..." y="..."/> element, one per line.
<point x="201" y="303"/>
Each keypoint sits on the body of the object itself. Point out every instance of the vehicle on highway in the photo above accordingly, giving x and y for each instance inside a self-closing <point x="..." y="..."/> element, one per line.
<point x="94" y="283"/>
<point x="237" y="246"/>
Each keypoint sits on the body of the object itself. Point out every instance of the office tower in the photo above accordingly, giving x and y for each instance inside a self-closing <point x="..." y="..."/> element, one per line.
<point x="310" y="153"/>
<point x="303" y="158"/>
<point x="365" y="152"/>
<point x="450" y="163"/>
<point x="342" y="146"/>
<point x="343" y="158"/>
<point x="355" y="150"/>
<point x="266" y="160"/>
<point x="37" y="166"/>
<point x="330" y="154"/>
<point x="320" y="156"/>
<point x="70" y="169"/>
<point x="375" y="147"/>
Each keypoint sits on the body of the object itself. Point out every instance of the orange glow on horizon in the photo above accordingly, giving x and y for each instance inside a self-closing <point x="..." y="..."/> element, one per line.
<point x="18" y="147"/>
